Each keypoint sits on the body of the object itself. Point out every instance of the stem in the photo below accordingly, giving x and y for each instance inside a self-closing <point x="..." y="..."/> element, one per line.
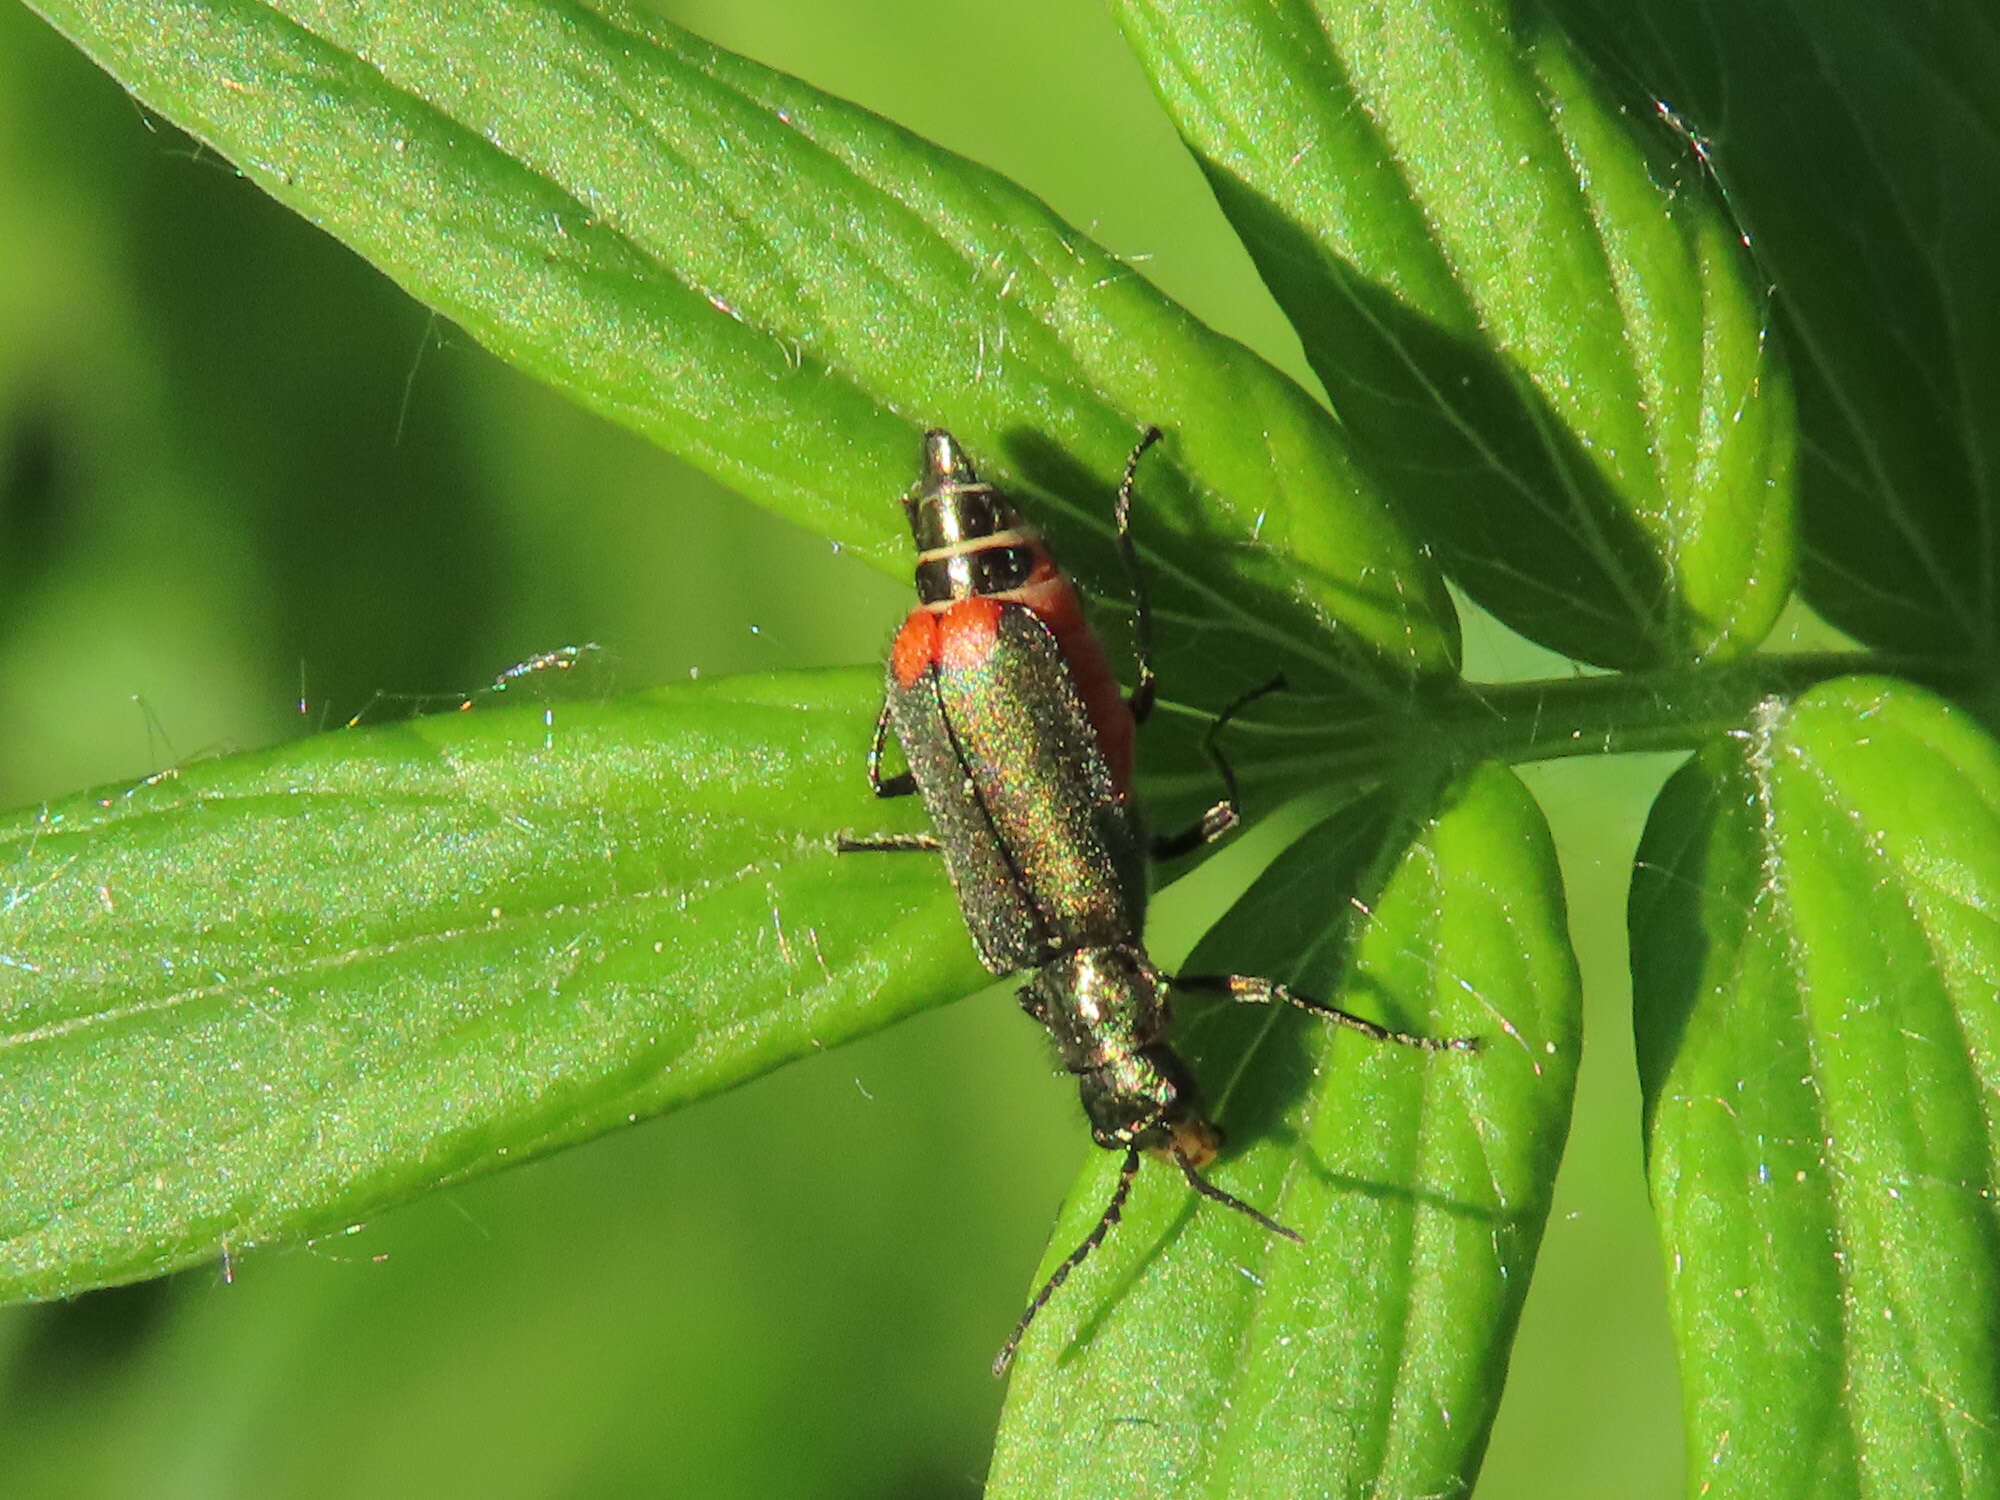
<point x="1599" y="714"/>
<point x="1635" y="712"/>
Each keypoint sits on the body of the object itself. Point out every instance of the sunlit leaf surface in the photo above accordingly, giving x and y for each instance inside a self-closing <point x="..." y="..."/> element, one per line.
<point x="1815" y="955"/>
<point x="785" y="290"/>
<point x="263" y="996"/>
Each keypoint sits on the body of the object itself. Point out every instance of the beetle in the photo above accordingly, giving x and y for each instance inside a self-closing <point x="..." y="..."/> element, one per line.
<point x="1019" y="740"/>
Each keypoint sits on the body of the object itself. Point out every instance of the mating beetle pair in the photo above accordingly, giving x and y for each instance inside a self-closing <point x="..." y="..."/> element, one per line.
<point x="1020" y="741"/>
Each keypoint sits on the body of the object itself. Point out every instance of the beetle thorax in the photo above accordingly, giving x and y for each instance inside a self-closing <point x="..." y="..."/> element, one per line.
<point x="1102" y="1004"/>
<point x="1107" y="1010"/>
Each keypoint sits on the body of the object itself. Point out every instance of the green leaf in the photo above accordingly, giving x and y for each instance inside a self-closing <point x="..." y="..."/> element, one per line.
<point x="784" y="289"/>
<point x="1554" y="361"/>
<point x="1814" y="954"/>
<point x="1859" y="146"/>
<point x="261" y="997"/>
<point x="1196" y="1353"/>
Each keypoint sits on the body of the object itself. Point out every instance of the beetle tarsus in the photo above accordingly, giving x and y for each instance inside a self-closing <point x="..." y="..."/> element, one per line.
<point x="1217" y="821"/>
<point x="1227" y="813"/>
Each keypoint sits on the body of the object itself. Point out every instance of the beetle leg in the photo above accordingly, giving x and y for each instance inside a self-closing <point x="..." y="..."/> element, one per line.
<point x="890" y="843"/>
<point x="1214" y="823"/>
<point x="895" y="786"/>
<point x="1147" y="689"/>
<point x="1249" y="990"/>
<point x="1227" y="813"/>
<point x="1033" y="1004"/>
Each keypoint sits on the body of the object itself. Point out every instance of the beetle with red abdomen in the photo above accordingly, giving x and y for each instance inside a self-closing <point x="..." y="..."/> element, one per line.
<point x="1015" y="729"/>
<point x="1020" y="741"/>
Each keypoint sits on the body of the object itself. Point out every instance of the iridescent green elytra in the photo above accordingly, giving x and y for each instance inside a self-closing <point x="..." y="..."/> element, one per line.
<point x="1045" y="853"/>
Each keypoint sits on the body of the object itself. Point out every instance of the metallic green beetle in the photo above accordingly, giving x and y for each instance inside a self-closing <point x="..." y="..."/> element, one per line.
<point x="1020" y="740"/>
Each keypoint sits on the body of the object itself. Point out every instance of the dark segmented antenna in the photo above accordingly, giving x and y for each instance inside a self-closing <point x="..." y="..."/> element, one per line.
<point x="1076" y="1257"/>
<point x="1108" y="1220"/>
<point x="1215" y="1194"/>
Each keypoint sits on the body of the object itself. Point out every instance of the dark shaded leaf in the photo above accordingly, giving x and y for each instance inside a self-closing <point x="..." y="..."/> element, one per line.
<point x="1859" y="145"/>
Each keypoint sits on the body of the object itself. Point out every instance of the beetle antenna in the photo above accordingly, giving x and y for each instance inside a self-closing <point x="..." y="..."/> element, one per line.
<point x="1091" y="1241"/>
<point x="1215" y="1194"/>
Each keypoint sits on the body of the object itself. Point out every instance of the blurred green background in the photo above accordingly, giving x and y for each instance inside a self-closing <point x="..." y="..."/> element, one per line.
<point x="246" y="486"/>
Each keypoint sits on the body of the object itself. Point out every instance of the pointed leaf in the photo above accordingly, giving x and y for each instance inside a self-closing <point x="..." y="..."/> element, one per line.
<point x="785" y="289"/>
<point x="1815" y="953"/>
<point x="262" y="997"/>
<point x="1553" y="360"/>
<point x="1196" y="1354"/>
